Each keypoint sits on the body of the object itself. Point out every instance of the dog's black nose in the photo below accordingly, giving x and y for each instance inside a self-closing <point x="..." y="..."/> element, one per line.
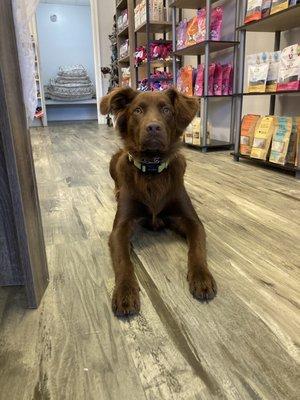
<point x="153" y="128"/>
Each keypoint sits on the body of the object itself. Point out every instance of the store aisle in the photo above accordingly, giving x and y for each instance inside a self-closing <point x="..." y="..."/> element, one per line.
<point x="243" y="345"/>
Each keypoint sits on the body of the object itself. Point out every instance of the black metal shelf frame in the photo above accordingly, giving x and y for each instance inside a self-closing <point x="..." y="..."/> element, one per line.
<point x="277" y="23"/>
<point x="206" y="48"/>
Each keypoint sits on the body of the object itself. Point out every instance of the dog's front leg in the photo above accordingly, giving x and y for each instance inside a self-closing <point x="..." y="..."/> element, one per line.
<point x="186" y="222"/>
<point x="126" y="293"/>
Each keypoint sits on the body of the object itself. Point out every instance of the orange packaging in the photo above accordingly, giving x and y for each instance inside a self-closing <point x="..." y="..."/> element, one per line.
<point x="247" y="133"/>
<point x="192" y="32"/>
<point x="254" y="11"/>
<point x="185" y="80"/>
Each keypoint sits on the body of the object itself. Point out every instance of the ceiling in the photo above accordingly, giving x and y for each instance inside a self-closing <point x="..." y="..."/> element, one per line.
<point x="69" y="2"/>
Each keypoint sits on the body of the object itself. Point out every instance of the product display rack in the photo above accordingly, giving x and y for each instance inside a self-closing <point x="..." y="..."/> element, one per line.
<point x="282" y="21"/>
<point x="206" y="48"/>
<point x="150" y="28"/>
<point x="126" y="33"/>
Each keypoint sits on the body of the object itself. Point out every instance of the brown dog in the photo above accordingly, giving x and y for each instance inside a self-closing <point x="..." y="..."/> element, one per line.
<point x="148" y="175"/>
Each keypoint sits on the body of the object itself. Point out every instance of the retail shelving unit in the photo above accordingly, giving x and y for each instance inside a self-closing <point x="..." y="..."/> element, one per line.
<point x="126" y="33"/>
<point x="150" y="29"/>
<point x="206" y="48"/>
<point x="282" y="21"/>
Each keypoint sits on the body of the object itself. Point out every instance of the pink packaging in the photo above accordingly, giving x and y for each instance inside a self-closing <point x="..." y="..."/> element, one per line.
<point x="211" y="73"/>
<point x="218" y="80"/>
<point x="230" y="91"/>
<point x="201" y="17"/>
<point x="199" y="81"/>
<point x="181" y="34"/>
<point x="216" y="23"/>
<point x="227" y="68"/>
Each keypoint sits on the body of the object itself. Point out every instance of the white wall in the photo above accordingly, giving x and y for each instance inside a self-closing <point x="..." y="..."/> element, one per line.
<point x="67" y="41"/>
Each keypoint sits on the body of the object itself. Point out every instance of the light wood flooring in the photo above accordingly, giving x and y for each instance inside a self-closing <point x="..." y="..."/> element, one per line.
<point x="243" y="345"/>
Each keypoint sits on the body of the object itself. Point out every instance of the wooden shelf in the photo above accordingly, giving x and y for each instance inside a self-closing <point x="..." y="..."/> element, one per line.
<point x="269" y="93"/>
<point x="190" y="4"/>
<point x="121" y="5"/>
<point x="123" y="32"/>
<point x="124" y="59"/>
<point x="199" y="48"/>
<point x="214" y="144"/>
<point x="288" y="167"/>
<point x="281" y="21"/>
<point x="155" y="27"/>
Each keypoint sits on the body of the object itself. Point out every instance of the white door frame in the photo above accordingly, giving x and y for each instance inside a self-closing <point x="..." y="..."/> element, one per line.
<point x="97" y="58"/>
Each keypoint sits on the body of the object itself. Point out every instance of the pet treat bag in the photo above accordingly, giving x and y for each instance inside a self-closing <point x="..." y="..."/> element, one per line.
<point x="253" y="12"/>
<point x="218" y="80"/>
<point x="216" y="23"/>
<point x="211" y="74"/>
<point x="258" y="68"/>
<point x="262" y="138"/>
<point x="291" y="153"/>
<point x="185" y="80"/>
<point x="199" y="81"/>
<point x="227" y="79"/>
<point x="272" y="78"/>
<point x="280" y="141"/>
<point x="181" y="34"/>
<point x="279" y="5"/>
<point x="289" y="69"/>
<point x="192" y="32"/>
<point x="201" y="19"/>
<point x="247" y="133"/>
<point x="265" y="8"/>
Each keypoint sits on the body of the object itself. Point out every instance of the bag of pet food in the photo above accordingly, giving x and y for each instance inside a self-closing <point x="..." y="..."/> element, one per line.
<point x="280" y="141"/>
<point x="201" y="18"/>
<point x="291" y="153"/>
<point x="211" y="73"/>
<point x="265" y="8"/>
<point x="192" y="32"/>
<point x="262" y="137"/>
<point x="195" y="130"/>
<point x="199" y="81"/>
<point x="216" y="23"/>
<point x="230" y="91"/>
<point x="279" y="5"/>
<point x="185" y="80"/>
<point x="247" y="133"/>
<point x="258" y="68"/>
<point x="253" y="12"/>
<point x="218" y="80"/>
<point x="227" y="79"/>
<point x="272" y="78"/>
<point x="289" y="69"/>
<point x="181" y="34"/>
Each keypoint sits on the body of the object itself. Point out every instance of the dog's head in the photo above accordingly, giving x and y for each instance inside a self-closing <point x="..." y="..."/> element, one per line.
<point x="150" y="122"/>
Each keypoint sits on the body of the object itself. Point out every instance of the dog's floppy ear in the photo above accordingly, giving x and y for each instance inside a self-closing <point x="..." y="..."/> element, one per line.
<point x="117" y="100"/>
<point x="185" y="107"/>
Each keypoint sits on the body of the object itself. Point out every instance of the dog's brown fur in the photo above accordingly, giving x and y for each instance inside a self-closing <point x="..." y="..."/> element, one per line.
<point x="150" y="124"/>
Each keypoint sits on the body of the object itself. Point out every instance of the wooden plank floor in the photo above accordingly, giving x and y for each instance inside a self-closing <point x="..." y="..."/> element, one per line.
<point x="243" y="345"/>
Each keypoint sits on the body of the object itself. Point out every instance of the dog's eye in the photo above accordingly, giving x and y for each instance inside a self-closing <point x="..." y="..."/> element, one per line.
<point x="166" y="110"/>
<point x="138" y="110"/>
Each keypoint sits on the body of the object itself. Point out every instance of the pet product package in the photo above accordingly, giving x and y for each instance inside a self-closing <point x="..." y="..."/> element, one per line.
<point x="211" y="73"/>
<point x="185" y="80"/>
<point x="181" y="34"/>
<point x="193" y="133"/>
<point x="262" y="137"/>
<point x="192" y="32"/>
<point x="272" y="78"/>
<point x="265" y="8"/>
<point x="199" y="81"/>
<point x="216" y="23"/>
<point x="253" y="12"/>
<point x="279" y="5"/>
<point x="227" y="79"/>
<point x="291" y="153"/>
<point x="218" y="76"/>
<point x="247" y="133"/>
<point x="289" y="69"/>
<point x="280" y="141"/>
<point x="258" y="68"/>
<point x="201" y="18"/>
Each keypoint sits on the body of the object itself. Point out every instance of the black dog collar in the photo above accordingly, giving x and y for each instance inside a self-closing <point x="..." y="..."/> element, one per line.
<point x="155" y="167"/>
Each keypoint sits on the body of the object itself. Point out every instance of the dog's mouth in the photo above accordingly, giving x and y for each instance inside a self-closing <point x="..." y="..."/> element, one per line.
<point x="153" y="145"/>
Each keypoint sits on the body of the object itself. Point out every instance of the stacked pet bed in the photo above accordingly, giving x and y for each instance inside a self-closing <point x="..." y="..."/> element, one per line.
<point x="71" y="84"/>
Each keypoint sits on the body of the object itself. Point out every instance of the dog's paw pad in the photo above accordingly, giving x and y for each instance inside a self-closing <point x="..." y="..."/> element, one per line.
<point x="126" y="300"/>
<point x="202" y="286"/>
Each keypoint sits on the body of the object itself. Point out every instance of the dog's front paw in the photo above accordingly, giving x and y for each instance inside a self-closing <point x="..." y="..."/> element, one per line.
<point x="202" y="285"/>
<point x="126" y="299"/>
